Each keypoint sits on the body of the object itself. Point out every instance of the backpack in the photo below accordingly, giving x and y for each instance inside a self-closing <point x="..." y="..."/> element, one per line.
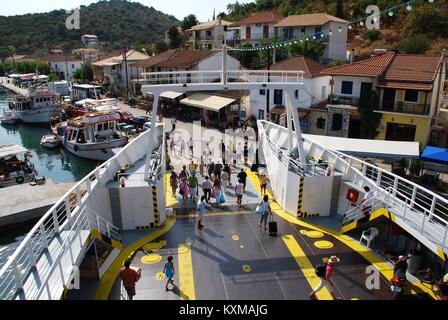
<point x="321" y="269"/>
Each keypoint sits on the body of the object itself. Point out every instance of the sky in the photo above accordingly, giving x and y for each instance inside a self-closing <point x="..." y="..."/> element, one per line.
<point x="203" y="9"/>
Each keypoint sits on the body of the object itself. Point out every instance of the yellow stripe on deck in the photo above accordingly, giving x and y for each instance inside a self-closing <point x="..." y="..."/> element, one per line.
<point x="306" y="267"/>
<point x="186" y="278"/>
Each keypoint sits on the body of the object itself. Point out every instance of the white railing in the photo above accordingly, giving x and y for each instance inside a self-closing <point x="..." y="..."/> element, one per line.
<point x="217" y="76"/>
<point x="59" y="218"/>
<point x="401" y="193"/>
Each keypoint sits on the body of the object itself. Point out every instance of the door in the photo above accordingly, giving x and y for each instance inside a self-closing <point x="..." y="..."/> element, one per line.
<point x="278" y="97"/>
<point x="248" y="33"/>
<point x="354" y="129"/>
<point x="265" y="32"/>
<point x="400" y="132"/>
<point x="366" y="88"/>
<point x="388" y="99"/>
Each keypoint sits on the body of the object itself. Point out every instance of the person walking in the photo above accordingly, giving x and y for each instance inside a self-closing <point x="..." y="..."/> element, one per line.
<point x="183" y="174"/>
<point x="265" y="211"/>
<point x="325" y="272"/>
<point x="169" y="272"/>
<point x="211" y="169"/>
<point x="225" y="178"/>
<point x="200" y="210"/>
<point x="172" y="145"/>
<point x="130" y="277"/>
<point x="193" y="185"/>
<point x="263" y="183"/>
<point x="217" y="170"/>
<point x="239" y="191"/>
<point x="174" y="183"/>
<point x="190" y="146"/>
<point x="228" y="170"/>
<point x="184" y="189"/>
<point x="223" y="151"/>
<point x="243" y="177"/>
<point x="246" y="154"/>
<point x="234" y="158"/>
<point x="239" y="152"/>
<point x="201" y="166"/>
<point x="192" y="167"/>
<point x="173" y="123"/>
<point x="217" y="190"/>
<point x="207" y="186"/>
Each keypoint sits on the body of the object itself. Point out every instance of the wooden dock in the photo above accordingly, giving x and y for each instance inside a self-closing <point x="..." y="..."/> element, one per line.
<point x="24" y="202"/>
<point x="5" y="82"/>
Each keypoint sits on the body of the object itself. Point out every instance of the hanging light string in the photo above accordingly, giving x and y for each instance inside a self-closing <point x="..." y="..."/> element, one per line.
<point x="390" y="11"/>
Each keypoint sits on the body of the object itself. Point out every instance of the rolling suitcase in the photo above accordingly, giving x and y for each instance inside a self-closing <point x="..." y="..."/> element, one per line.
<point x="273" y="227"/>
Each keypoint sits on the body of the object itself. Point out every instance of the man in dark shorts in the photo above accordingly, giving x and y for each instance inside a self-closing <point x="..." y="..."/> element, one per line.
<point x="130" y="276"/>
<point x="242" y="176"/>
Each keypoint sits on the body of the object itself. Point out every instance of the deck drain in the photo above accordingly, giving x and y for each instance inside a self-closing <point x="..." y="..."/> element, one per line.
<point x="160" y="276"/>
<point x="235" y="237"/>
<point x="323" y="244"/>
<point x="247" y="268"/>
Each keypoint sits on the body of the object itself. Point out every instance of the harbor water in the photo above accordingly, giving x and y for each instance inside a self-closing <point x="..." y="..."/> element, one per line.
<point x="57" y="164"/>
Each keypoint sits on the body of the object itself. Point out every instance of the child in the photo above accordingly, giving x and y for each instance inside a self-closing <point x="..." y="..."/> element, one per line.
<point x="169" y="272"/>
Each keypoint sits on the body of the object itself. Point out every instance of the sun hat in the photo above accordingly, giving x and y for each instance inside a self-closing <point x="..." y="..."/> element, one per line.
<point x="334" y="259"/>
<point x="445" y="278"/>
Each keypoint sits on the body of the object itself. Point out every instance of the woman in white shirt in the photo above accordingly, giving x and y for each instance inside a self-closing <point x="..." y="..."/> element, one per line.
<point x="265" y="211"/>
<point x="239" y="191"/>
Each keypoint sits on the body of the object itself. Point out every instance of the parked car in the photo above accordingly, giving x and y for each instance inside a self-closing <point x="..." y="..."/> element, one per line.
<point x="124" y="116"/>
<point x="140" y="121"/>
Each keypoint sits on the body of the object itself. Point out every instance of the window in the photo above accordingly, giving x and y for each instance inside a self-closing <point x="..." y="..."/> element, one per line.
<point x="324" y="92"/>
<point x="411" y="96"/>
<point x="73" y="66"/>
<point x="111" y="125"/>
<point x="261" y="114"/>
<point x="100" y="127"/>
<point x="347" y="87"/>
<point x="337" y="122"/>
<point x="296" y="94"/>
<point x="262" y="92"/>
<point x="320" y="124"/>
<point x="278" y="97"/>
<point x="303" y="30"/>
<point x="208" y="33"/>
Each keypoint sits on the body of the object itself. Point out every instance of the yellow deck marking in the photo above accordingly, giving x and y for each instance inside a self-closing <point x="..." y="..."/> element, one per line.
<point x="235" y="237"/>
<point x="154" y="246"/>
<point x="247" y="268"/>
<point x="323" y="244"/>
<point x="186" y="279"/>
<point x="160" y="276"/>
<point x="375" y="260"/>
<point x="312" y="233"/>
<point x="151" y="259"/>
<point x="109" y="278"/>
<point x="305" y="266"/>
<point x="215" y="214"/>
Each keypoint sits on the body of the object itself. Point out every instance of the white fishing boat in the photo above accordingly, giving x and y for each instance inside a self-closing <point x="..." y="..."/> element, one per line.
<point x="15" y="166"/>
<point x="8" y="118"/>
<point x="93" y="136"/>
<point x="50" y="141"/>
<point x="37" y="106"/>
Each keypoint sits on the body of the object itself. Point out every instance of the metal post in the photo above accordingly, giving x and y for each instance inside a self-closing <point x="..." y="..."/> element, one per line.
<point x="31" y="254"/>
<point x="19" y="282"/>
<point x="267" y="89"/>
<point x="297" y="128"/>
<point x="224" y="64"/>
<point x="414" y="194"/>
<point x="43" y="236"/>
<point x="395" y="186"/>
<point x="55" y="221"/>
<point x="152" y="135"/>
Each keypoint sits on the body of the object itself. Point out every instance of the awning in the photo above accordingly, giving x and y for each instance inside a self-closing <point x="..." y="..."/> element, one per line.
<point x="207" y="101"/>
<point x="369" y="148"/>
<point x="437" y="155"/>
<point x="11" y="150"/>
<point x="278" y="110"/>
<point x="170" y="94"/>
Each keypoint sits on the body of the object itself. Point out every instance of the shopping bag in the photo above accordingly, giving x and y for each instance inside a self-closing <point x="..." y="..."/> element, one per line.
<point x="222" y="199"/>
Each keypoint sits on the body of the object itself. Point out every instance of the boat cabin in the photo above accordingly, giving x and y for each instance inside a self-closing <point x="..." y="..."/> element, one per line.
<point x="37" y="100"/>
<point x="97" y="127"/>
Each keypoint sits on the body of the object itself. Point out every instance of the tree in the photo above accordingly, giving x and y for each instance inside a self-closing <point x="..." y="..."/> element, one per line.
<point x="339" y="9"/>
<point x="174" y="37"/>
<point x="189" y="21"/>
<point x="160" y="46"/>
<point x="370" y="120"/>
<point x="428" y="20"/>
<point x="311" y="49"/>
<point x="84" y="74"/>
<point x="417" y="44"/>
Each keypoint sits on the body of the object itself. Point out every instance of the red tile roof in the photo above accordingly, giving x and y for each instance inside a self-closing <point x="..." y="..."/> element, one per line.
<point x="372" y="67"/>
<point x="186" y="59"/>
<point x="401" y="85"/>
<point x="408" y="67"/>
<point x="259" y="17"/>
<point x="152" y="61"/>
<point x="312" y="19"/>
<point x="311" y="68"/>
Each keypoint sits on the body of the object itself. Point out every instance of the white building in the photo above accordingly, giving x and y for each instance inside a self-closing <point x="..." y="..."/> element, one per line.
<point x="315" y="89"/>
<point x="332" y="31"/>
<point x="64" y="65"/>
<point x="208" y="36"/>
<point x="257" y="28"/>
<point x="116" y="68"/>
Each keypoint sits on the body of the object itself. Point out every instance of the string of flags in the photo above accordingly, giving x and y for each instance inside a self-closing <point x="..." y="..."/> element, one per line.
<point x="361" y="22"/>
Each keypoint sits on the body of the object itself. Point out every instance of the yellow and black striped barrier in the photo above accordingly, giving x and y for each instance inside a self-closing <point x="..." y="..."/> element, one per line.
<point x="156" y="207"/>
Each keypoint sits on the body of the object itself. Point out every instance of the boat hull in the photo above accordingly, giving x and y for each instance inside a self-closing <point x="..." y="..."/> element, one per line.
<point x="94" y="151"/>
<point x="37" y="116"/>
<point x="13" y="181"/>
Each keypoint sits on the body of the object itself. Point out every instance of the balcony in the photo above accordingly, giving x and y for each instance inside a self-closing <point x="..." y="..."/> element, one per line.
<point x="343" y="100"/>
<point x="408" y="107"/>
<point x="256" y="36"/>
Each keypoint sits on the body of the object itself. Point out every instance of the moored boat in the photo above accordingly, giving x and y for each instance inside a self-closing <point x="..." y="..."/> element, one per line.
<point x="93" y="136"/>
<point x="15" y="166"/>
<point x="8" y="118"/>
<point x="50" y="141"/>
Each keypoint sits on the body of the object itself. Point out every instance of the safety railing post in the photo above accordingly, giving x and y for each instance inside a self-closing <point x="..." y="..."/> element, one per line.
<point x="68" y="211"/>
<point x="43" y="236"/>
<point x="444" y="237"/>
<point x="395" y="186"/>
<point x="31" y="254"/>
<point x="55" y="221"/>
<point x="17" y="276"/>
<point x="378" y="178"/>
<point x="433" y="207"/>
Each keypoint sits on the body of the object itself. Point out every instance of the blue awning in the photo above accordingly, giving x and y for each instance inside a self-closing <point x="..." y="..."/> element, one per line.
<point x="433" y="154"/>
